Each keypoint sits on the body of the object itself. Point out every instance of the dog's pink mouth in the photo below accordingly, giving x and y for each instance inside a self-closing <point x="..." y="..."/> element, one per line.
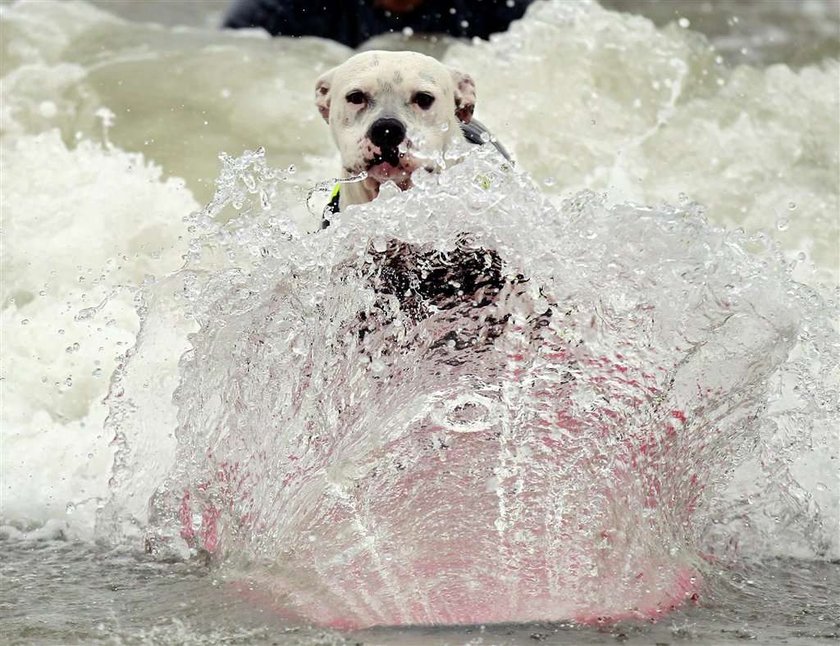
<point x="391" y="159"/>
<point x="389" y="170"/>
<point x="396" y="167"/>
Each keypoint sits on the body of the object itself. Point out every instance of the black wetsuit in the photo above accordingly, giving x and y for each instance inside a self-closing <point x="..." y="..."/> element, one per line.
<point x="354" y="21"/>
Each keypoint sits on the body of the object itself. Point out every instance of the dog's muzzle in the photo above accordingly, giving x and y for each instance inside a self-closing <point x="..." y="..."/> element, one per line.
<point x="387" y="134"/>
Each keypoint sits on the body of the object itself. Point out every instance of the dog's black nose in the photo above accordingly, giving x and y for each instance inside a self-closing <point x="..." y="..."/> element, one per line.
<point x="387" y="133"/>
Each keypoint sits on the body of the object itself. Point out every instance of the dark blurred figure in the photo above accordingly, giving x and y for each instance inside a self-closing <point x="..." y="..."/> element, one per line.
<point x="354" y="21"/>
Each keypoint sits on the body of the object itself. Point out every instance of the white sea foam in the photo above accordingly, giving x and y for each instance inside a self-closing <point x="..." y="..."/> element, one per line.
<point x="83" y="228"/>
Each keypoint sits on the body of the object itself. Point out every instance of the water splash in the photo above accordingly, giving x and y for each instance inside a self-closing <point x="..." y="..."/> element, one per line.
<point x="466" y="403"/>
<point x="641" y="113"/>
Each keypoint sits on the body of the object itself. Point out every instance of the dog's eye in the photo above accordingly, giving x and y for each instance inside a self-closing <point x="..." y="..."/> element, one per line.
<point x="424" y="100"/>
<point x="356" y="97"/>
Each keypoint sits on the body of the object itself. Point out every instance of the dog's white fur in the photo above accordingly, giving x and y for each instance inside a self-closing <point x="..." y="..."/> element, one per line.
<point x="394" y="85"/>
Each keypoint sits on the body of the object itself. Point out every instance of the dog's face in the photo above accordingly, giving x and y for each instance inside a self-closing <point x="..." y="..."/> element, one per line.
<point x="393" y="112"/>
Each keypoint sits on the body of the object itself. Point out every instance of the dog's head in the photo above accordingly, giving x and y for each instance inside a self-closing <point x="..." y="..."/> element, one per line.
<point x="393" y="112"/>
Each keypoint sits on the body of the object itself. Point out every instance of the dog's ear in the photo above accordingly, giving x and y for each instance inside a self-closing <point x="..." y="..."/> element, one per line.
<point x="322" y="94"/>
<point x="464" y="87"/>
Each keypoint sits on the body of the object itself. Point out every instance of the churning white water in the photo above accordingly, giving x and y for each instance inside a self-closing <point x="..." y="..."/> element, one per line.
<point x="578" y="388"/>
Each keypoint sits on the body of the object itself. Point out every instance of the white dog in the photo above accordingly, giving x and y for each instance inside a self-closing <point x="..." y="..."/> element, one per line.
<point x="391" y="113"/>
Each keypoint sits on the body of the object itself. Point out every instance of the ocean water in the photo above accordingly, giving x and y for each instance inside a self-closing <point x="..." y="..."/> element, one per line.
<point x="220" y="428"/>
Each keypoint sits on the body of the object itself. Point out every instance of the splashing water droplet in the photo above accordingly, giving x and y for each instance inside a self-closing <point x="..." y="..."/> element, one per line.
<point x="48" y="109"/>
